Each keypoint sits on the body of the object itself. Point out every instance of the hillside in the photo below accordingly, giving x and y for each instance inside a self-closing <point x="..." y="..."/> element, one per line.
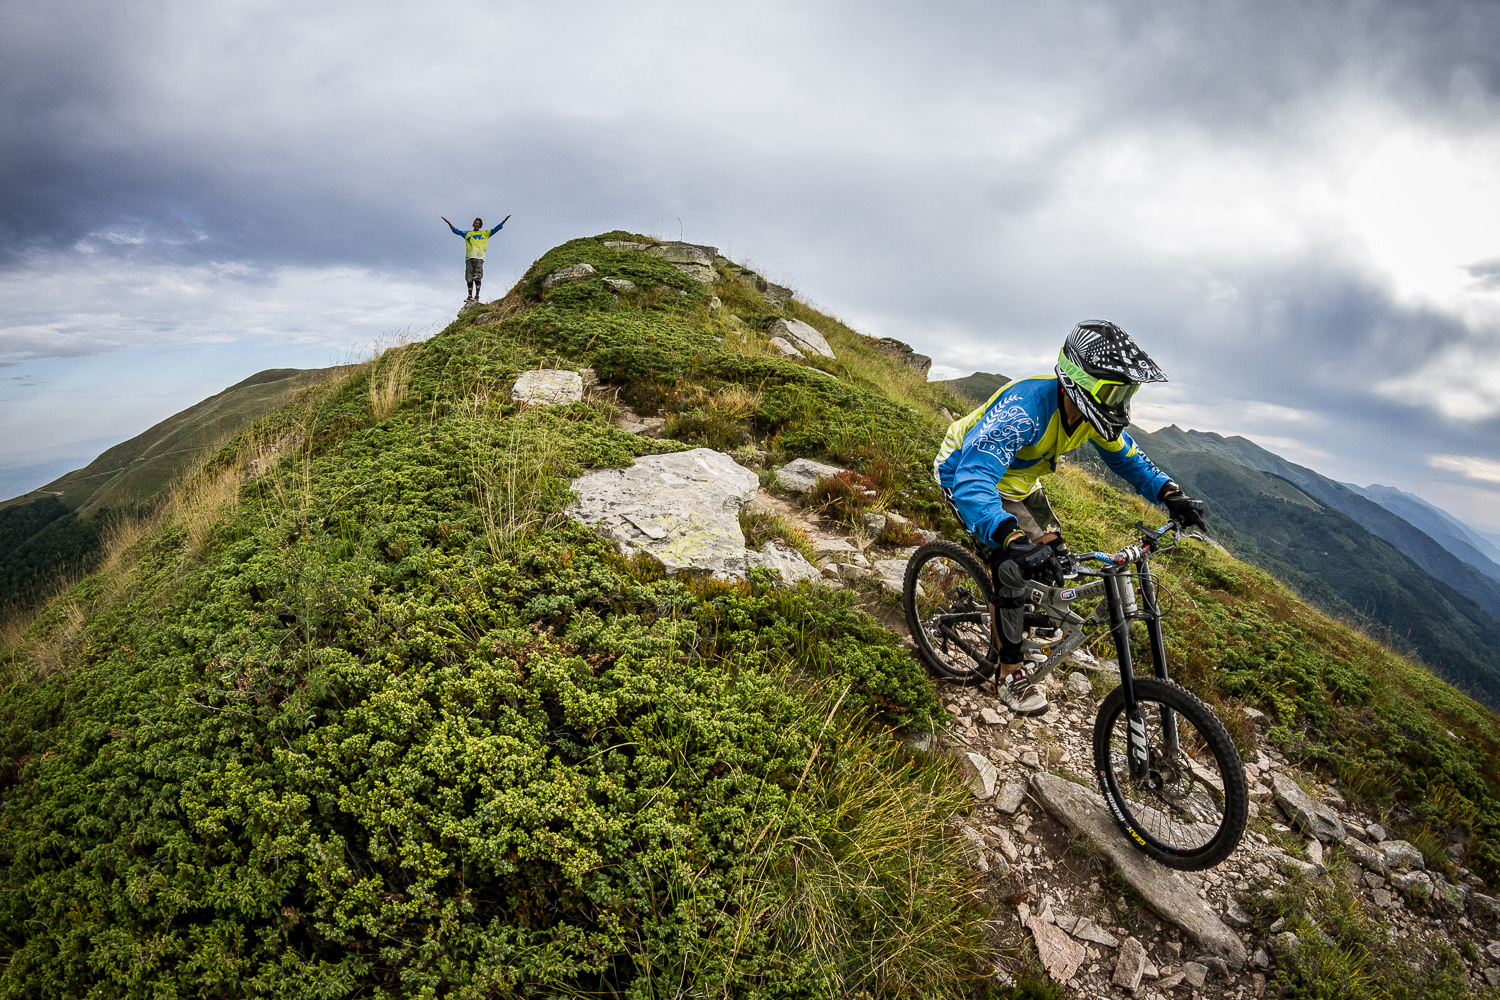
<point x="1452" y="534"/>
<point x="1397" y="531"/>
<point x="57" y="530"/>
<point x="364" y="711"/>
<point x="975" y="388"/>
<point x="1334" y="561"/>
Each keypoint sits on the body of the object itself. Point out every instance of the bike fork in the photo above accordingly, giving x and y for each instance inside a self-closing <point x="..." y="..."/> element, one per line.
<point x="1138" y="750"/>
<point x="1152" y="614"/>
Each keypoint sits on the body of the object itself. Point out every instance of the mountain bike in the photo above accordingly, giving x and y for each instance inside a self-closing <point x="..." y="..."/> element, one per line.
<point x="1169" y="771"/>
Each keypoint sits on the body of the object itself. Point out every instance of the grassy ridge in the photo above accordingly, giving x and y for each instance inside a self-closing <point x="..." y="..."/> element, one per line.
<point x="57" y="532"/>
<point x="362" y="714"/>
<point x="378" y="721"/>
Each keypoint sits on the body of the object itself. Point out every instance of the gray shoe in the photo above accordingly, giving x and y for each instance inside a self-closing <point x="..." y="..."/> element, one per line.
<point x="1020" y="695"/>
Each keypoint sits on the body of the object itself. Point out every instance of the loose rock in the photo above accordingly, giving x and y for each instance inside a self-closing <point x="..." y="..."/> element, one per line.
<point x="980" y="774"/>
<point x="1078" y="686"/>
<point x="1061" y="955"/>
<point x="802" y="474"/>
<point x="1305" y="812"/>
<point x="1131" y="964"/>
<point x="622" y="285"/>
<point x="1368" y="857"/>
<point x="1402" y="854"/>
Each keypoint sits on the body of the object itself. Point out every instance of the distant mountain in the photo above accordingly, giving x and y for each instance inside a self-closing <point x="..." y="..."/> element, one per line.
<point x="1445" y="529"/>
<point x="56" y="530"/>
<point x="1331" y="558"/>
<point x="1423" y="549"/>
<point x="979" y="387"/>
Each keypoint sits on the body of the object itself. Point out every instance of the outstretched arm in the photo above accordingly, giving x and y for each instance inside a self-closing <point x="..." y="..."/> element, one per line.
<point x="501" y="226"/>
<point x="451" y="226"/>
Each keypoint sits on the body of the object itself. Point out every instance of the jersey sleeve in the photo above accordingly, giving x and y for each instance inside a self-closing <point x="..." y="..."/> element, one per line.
<point x="1131" y="464"/>
<point x="1010" y="425"/>
<point x="494" y="230"/>
<point x="456" y="231"/>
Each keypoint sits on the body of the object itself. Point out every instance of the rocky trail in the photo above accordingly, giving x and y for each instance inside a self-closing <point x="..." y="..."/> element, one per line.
<point x="1101" y="918"/>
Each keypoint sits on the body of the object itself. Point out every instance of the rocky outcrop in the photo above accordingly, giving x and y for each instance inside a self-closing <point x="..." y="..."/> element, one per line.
<point x="692" y="260"/>
<point x="683" y="509"/>
<point x="903" y="353"/>
<point x="1171" y="894"/>
<point x="548" y="386"/>
<point x="801" y="335"/>
<point x="568" y="275"/>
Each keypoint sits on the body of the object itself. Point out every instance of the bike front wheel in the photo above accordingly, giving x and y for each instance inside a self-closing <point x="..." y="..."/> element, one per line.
<point x="946" y="596"/>
<point x="1183" y="799"/>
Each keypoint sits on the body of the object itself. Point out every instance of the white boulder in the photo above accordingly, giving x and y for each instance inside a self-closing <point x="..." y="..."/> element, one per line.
<point x="802" y="335"/>
<point x="548" y="386"/>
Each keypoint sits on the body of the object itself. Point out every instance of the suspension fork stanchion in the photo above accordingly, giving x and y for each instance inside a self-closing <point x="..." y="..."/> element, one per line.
<point x="1119" y="629"/>
<point x="1158" y="650"/>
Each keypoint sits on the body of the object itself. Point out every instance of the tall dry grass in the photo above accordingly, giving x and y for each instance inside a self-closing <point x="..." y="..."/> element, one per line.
<point x="390" y="378"/>
<point x="516" y="477"/>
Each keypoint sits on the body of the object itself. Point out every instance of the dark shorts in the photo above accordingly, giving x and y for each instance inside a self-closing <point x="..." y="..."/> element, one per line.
<point x="1033" y="515"/>
<point x="473" y="269"/>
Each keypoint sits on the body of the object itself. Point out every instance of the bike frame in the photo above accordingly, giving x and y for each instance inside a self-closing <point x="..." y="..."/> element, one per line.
<point x="1117" y="582"/>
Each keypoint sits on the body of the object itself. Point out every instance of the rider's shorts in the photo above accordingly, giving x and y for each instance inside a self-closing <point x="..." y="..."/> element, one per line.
<point x="1034" y="514"/>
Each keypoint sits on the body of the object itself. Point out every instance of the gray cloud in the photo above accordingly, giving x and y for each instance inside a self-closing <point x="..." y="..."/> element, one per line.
<point x="973" y="178"/>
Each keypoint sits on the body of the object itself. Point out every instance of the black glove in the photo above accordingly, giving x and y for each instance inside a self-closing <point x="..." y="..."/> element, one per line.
<point x="1184" y="509"/>
<point x="1037" y="561"/>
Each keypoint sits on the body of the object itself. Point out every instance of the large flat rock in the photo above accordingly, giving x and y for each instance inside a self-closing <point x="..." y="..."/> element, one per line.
<point x="681" y="508"/>
<point x="1172" y="894"/>
<point x="684" y="509"/>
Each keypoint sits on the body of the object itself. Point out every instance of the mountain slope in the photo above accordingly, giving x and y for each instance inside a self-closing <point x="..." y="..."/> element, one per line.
<point x="1332" y="560"/>
<point x="365" y="713"/>
<point x="57" y="530"/>
<point x="977" y="387"/>
<point x="1434" y="558"/>
<point x="1445" y="529"/>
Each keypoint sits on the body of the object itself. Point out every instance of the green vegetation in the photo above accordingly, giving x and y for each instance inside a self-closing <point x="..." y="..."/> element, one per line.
<point x="56" y="533"/>
<point x="1347" y="951"/>
<point x="359" y="712"/>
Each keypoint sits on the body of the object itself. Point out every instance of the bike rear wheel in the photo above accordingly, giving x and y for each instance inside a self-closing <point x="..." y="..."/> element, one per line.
<point x="946" y="595"/>
<point x="1189" y="810"/>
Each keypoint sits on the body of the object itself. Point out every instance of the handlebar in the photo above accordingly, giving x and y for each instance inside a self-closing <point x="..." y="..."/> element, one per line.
<point x="1150" y="539"/>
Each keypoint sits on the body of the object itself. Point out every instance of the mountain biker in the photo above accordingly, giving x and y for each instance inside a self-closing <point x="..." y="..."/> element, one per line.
<point x="476" y="242"/>
<point x="992" y="460"/>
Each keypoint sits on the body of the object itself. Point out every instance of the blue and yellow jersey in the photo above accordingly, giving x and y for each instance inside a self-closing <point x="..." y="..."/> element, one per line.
<point x="1007" y="445"/>
<point x="476" y="241"/>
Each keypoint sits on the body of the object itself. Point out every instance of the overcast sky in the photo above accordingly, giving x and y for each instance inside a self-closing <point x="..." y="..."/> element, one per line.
<point x="1295" y="208"/>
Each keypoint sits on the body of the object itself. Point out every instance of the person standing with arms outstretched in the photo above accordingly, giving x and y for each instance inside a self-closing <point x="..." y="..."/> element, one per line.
<point x="476" y="241"/>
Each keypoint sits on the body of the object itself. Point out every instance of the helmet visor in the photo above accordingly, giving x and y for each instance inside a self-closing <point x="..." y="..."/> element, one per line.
<point x="1113" y="393"/>
<point x="1106" y="392"/>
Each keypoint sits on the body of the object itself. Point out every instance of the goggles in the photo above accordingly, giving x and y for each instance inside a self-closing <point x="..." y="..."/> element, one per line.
<point x="1106" y="392"/>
